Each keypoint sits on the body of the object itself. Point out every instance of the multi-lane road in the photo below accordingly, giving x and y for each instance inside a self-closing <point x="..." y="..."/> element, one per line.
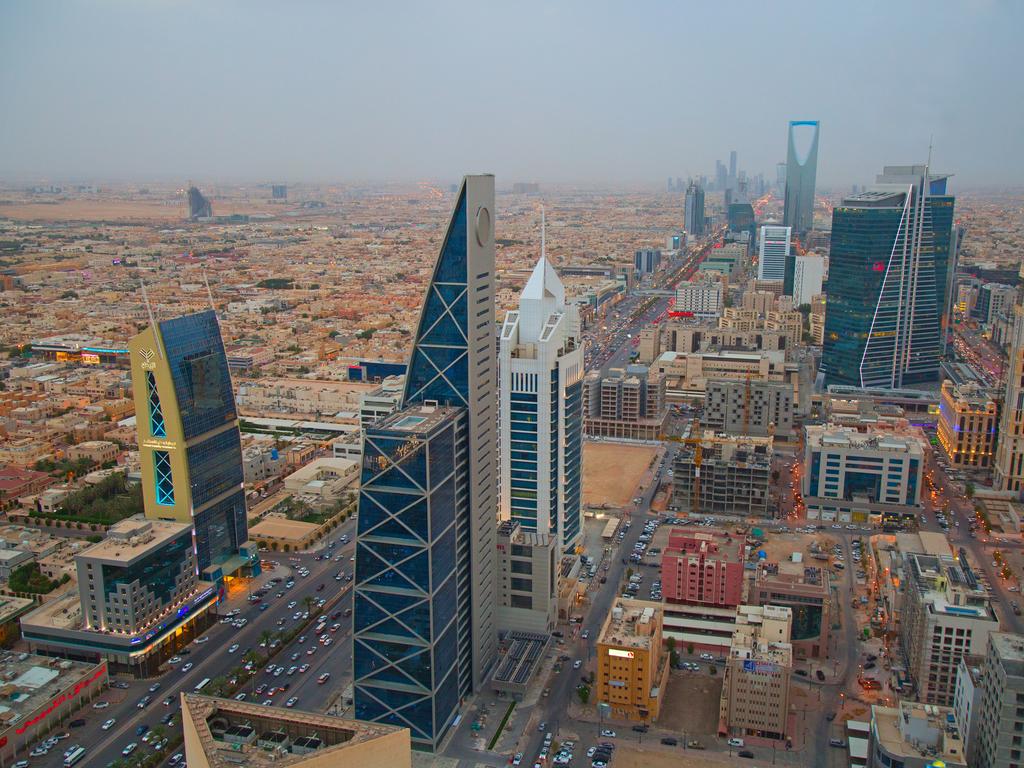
<point x="211" y="659"/>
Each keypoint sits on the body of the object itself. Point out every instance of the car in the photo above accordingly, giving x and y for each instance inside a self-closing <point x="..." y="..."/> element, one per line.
<point x="292" y="702"/>
<point x="267" y="702"/>
<point x="641" y="728"/>
<point x="608" y="734"/>
<point x="129" y="749"/>
<point x="143" y="702"/>
<point x="542" y="726"/>
<point x="20" y="764"/>
<point x="837" y="742"/>
<point x="201" y="640"/>
<point x="323" y="678"/>
<point x="233" y="648"/>
<point x="517" y="758"/>
<point x="240" y="697"/>
<point x="670" y="741"/>
<point x="821" y="675"/>
<point x="168" y="700"/>
<point x="734" y="742"/>
<point x="101" y="705"/>
<point x="187" y="667"/>
<point x="108" y="724"/>
<point x="599" y="764"/>
<point x="577" y="664"/>
<point x="77" y="723"/>
<point x="174" y="660"/>
<point x="746" y="753"/>
<point x="38" y="752"/>
<point x="584" y="634"/>
<point x="177" y="758"/>
<point x="707" y="657"/>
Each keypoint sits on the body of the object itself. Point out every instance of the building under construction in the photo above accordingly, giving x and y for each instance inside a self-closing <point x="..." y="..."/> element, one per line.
<point x="749" y="407"/>
<point x="198" y="205"/>
<point x="722" y="475"/>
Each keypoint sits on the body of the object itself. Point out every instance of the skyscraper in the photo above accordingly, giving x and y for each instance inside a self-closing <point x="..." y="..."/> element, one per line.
<point x="694" y="209"/>
<point x="189" y="444"/>
<point x="773" y="250"/>
<point x="888" y="271"/>
<point x="425" y="596"/>
<point x="199" y="207"/>
<point x="732" y="168"/>
<point x="1009" y="460"/>
<point x="801" y="170"/>
<point x="541" y="391"/>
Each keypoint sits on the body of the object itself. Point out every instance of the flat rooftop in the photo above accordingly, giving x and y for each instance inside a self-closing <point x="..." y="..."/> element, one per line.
<point x="28" y="684"/>
<point x="630" y="625"/>
<point x="132" y="538"/>
<point x="416" y="419"/>
<point x="236" y="733"/>
<point x="933" y="728"/>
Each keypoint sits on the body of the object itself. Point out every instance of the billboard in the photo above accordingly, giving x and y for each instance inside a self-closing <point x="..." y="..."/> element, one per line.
<point x="759" y="667"/>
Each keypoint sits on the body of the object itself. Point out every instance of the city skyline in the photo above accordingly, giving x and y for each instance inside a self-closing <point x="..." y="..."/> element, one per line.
<point x="219" y="92"/>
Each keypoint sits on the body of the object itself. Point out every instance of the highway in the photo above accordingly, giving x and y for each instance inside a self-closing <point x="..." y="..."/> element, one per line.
<point x="211" y="659"/>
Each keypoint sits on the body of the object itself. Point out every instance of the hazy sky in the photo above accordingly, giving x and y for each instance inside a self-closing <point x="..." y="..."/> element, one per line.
<point x="583" y="91"/>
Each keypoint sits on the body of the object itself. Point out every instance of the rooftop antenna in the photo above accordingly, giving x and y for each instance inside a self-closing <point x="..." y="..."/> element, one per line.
<point x="152" y="321"/>
<point x="543" y="244"/>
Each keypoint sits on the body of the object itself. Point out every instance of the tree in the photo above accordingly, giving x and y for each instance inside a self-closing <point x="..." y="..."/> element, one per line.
<point x="969" y="490"/>
<point x="265" y="637"/>
<point x="689" y="648"/>
<point x="673" y="659"/>
<point x="713" y="670"/>
<point x="629" y="574"/>
<point x="584" y="694"/>
<point x="670" y="644"/>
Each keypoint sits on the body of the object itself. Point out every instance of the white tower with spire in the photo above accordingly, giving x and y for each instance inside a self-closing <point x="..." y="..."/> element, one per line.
<point x="541" y="394"/>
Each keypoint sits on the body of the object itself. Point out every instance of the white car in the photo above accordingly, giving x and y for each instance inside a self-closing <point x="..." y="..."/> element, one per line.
<point x="108" y="724"/>
<point x="101" y="705"/>
<point x="201" y="640"/>
<point x="233" y="648"/>
<point x="187" y="667"/>
<point x="129" y="749"/>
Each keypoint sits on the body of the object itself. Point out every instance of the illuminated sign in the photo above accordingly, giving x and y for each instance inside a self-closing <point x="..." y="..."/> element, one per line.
<point x="620" y="654"/>
<point x="761" y="667"/>
<point x="148" y="359"/>
<point x="402" y="452"/>
<point x="878" y="266"/>
<point x="90" y="358"/>
<point x="64" y="697"/>
<point x="159" y="445"/>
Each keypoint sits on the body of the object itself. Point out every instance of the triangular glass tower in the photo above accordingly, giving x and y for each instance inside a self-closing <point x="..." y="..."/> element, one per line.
<point x="423" y="625"/>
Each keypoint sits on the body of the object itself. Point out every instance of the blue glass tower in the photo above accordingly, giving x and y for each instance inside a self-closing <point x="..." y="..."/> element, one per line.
<point x="888" y="276"/>
<point x="425" y="585"/>
<point x="189" y="442"/>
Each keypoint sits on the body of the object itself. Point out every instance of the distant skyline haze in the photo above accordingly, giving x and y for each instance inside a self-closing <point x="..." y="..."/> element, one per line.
<point x="559" y="92"/>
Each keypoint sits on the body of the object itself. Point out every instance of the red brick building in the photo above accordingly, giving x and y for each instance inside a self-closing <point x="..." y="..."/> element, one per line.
<point x="702" y="567"/>
<point x="16" y="482"/>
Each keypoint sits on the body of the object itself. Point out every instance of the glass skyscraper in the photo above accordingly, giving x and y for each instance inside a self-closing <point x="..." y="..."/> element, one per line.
<point x="889" y="269"/>
<point x="693" y="210"/>
<point x="801" y="173"/>
<point x="189" y="443"/>
<point x="541" y="394"/>
<point x="425" y="585"/>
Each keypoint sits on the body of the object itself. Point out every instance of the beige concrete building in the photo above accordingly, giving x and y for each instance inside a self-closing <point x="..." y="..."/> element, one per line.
<point x="755" y="691"/>
<point x="914" y="735"/>
<point x="224" y="733"/>
<point x="326" y="478"/>
<point x="1009" y="461"/>
<point x="98" y="451"/>
<point x="632" y="667"/>
<point x="944" y="616"/>
<point x="968" y="418"/>
<point x="997" y="724"/>
<point x="528" y="586"/>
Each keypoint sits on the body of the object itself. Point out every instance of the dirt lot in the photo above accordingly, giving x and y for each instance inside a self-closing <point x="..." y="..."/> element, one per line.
<point x="612" y="471"/>
<point x="691" y="704"/>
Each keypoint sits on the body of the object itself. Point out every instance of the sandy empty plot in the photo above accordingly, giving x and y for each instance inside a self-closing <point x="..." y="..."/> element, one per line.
<point x="120" y="210"/>
<point x="691" y="704"/>
<point x="652" y="755"/>
<point x="612" y="471"/>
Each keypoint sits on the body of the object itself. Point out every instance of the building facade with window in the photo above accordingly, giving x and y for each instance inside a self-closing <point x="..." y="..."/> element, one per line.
<point x="424" y="635"/>
<point x="541" y="411"/>
<point x="528" y="590"/>
<point x="968" y="422"/>
<point x="888" y="275"/>
<point x="189" y="443"/>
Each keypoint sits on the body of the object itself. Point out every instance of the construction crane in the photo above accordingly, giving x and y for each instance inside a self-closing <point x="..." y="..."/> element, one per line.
<point x="697" y="441"/>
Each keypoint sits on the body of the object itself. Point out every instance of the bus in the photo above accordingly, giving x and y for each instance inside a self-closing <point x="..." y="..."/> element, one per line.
<point x="202" y="684"/>
<point x="74" y="756"/>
